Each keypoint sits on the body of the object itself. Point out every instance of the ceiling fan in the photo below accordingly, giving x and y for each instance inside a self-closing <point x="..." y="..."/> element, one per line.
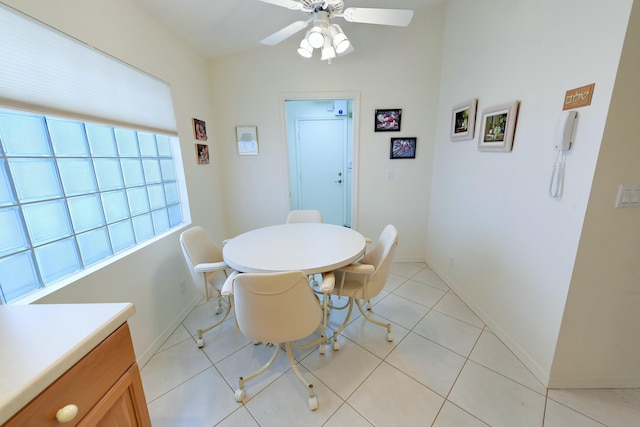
<point x="324" y="35"/>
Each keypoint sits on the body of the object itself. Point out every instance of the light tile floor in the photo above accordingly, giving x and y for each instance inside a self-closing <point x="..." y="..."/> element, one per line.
<point x="445" y="368"/>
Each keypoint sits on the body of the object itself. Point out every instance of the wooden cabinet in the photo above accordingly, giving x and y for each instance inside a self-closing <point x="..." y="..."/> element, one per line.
<point x="104" y="386"/>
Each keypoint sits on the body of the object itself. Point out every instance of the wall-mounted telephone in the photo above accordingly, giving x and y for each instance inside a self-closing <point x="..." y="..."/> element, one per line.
<point x="563" y="138"/>
<point x="565" y="131"/>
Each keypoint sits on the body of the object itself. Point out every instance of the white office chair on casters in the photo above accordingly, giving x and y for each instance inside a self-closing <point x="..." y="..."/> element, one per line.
<point x="204" y="259"/>
<point x="365" y="279"/>
<point x="278" y="308"/>
<point x="304" y="216"/>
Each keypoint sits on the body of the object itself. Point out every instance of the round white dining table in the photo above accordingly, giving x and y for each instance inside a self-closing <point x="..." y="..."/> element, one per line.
<point x="309" y="247"/>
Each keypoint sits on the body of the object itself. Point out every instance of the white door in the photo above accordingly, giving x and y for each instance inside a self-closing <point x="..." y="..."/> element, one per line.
<point x="321" y="149"/>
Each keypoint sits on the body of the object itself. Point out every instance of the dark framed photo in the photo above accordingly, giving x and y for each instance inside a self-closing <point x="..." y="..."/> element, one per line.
<point x="200" y="130"/>
<point x="388" y="120"/>
<point x="403" y="148"/>
<point x="463" y="120"/>
<point x="498" y="127"/>
<point x="202" y="154"/>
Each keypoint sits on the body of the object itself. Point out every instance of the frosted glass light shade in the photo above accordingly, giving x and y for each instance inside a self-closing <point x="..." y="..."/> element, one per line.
<point x="341" y="43"/>
<point x="305" y="49"/>
<point x="328" y="52"/>
<point x="315" y="37"/>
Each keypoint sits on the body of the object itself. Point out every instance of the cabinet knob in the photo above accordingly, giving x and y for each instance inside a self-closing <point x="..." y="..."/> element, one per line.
<point x="67" y="413"/>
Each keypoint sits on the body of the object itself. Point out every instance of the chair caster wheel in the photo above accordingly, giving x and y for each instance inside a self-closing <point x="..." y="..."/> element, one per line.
<point x="313" y="403"/>
<point x="200" y="342"/>
<point x="323" y="349"/>
<point x="389" y="337"/>
<point x="240" y="394"/>
<point x="219" y="310"/>
<point x="336" y="346"/>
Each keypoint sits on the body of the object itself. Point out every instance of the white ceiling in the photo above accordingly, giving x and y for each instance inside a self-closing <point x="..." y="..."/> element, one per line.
<point x="220" y="27"/>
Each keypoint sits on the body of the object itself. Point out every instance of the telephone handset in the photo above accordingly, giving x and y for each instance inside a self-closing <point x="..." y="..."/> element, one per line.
<point x="565" y="131"/>
<point x="562" y="140"/>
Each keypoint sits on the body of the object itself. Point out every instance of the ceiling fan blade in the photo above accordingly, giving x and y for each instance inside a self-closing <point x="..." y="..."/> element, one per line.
<point x="289" y="4"/>
<point x="284" y="33"/>
<point x="397" y="17"/>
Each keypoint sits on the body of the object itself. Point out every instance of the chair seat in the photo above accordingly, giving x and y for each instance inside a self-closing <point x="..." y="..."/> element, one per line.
<point x="351" y="287"/>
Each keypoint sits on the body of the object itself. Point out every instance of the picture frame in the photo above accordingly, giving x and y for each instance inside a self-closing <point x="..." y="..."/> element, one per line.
<point x="498" y="127"/>
<point x="202" y="154"/>
<point x="402" y="148"/>
<point x="200" y="129"/>
<point x="463" y="120"/>
<point x="247" y="140"/>
<point x="388" y="120"/>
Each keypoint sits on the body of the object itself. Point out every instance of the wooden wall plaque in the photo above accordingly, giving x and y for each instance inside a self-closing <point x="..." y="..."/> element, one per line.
<point x="578" y="97"/>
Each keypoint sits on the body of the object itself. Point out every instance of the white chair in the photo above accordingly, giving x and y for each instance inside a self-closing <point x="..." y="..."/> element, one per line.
<point x="365" y="279"/>
<point x="205" y="262"/>
<point x="278" y="308"/>
<point x="304" y="216"/>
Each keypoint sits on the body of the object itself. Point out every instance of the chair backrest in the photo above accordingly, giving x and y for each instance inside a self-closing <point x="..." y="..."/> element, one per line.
<point x="381" y="256"/>
<point x="304" y="216"/>
<point x="198" y="247"/>
<point x="275" y="307"/>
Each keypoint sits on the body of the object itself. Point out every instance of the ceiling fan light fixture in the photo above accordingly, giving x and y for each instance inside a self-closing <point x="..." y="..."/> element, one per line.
<point x="328" y="52"/>
<point x="305" y="49"/>
<point x="315" y="37"/>
<point x="340" y="41"/>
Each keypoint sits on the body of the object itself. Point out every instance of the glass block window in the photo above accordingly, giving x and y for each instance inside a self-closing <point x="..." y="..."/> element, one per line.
<point x="74" y="193"/>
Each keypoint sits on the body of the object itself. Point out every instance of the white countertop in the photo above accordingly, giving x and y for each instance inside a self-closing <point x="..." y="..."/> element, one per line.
<point x="40" y="342"/>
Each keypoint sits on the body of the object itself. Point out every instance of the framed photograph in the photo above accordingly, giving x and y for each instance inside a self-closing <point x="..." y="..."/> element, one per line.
<point x="247" y="139"/>
<point x="202" y="154"/>
<point x="463" y="120"/>
<point x="498" y="127"/>
<point x="388" y="120"/>
<point x="403" y="148"/>
<point x="200" y="130"/>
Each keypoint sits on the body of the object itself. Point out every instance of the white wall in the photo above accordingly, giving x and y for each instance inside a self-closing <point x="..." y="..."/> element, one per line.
<point x="149" y="277"/>
<point x="494" y="234"/>
<point x="390" y="68"/>
<point x="599" y="343"/>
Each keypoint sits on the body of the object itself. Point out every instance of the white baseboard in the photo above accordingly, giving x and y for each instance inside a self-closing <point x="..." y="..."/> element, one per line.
<point x="409" y="259"/>
<point x="522" y="355"/>
<point x="157" y="343"/>
<point x="595" y="383"/>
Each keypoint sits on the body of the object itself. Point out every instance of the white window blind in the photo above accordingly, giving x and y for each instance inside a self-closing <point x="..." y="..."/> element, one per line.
<point x="44" y="68"/>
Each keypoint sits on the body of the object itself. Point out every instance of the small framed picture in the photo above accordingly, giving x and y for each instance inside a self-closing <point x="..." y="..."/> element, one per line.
<point x="403" y="148"/>
<point x="463" y="120"/>
<point x="200" y="130"/>
<point x="498" y="127"/>
<point x="388" y="120"/>
<point x="247" y="139"/>
<point x="202" y="154"/>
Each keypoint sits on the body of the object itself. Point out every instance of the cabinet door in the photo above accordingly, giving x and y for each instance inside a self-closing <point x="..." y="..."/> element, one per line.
<point x="124" y="404"/>
<point x="84" y="384"/>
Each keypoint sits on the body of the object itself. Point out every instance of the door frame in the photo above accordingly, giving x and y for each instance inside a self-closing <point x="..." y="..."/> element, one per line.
<point x="314" y="96"/>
